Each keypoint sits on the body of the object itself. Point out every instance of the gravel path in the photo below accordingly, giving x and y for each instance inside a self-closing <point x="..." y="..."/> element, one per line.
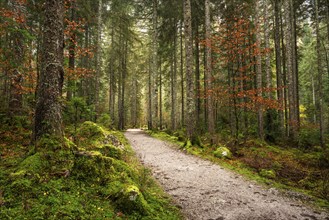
<point x="206" y="191"/>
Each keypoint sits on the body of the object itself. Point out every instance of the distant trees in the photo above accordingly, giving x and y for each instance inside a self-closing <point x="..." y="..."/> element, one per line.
<point x="203" y="66"/>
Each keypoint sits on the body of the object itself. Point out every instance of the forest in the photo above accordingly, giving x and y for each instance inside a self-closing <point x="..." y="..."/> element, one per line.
<point x="244" y="84"/>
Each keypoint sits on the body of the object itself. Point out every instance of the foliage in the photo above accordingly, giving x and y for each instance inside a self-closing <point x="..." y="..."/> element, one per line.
<point x="104" y="182"/>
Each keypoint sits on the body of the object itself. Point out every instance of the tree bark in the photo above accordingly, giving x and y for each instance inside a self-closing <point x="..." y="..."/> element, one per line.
<point x="259" y="77"/>
<point x="190" y="99"/>
<point x="278" y="63"/>
<point x="48" y="113"/>
<point x="16" y="72"/>
<point x="72" y="46"/>
<point x="209" y="93"/>
<point x="292" y="131"/>
<point x="98" y="58"/>
<point x="182" y="77"/>
<point x="319" y="69"/>
<point x="155" y="64"/>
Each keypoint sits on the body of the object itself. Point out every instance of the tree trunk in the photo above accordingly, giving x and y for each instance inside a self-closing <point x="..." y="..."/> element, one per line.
<point x="72" y="45"/>
<point x="182" y="77"/>
<point x="197" y="76"/>
<point x="98" y="58"/>
<point x="278" y="65"/>
<point x="16" y="73"/>
<point x="259" y="78"/>
<point x="155" y="64"/>
<point x="112" y="81"/>
<point x="173" y="87"/>
<point x="319" y="68"/>
<point x="209" y="93"/>
<point x="290" y="71"/>
<point x="48" y="113"/>
<point x="190" y="98"/>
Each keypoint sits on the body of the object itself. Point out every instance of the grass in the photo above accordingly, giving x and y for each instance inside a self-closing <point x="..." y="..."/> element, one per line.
<point x="102" y="179"/>
<point x="288" y="169"/>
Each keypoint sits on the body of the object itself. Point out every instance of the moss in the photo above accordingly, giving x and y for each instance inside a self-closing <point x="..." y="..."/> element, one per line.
<point x="33" y="164"/>
<point x="93" y="167"/>
<point x="102" y="181"/>
<point x="132" y="200"/>
<point x="111" y="151"/>
<point x="268" y="174"/>
<point x="90" y="130"/>
<point x="223" y="152"/>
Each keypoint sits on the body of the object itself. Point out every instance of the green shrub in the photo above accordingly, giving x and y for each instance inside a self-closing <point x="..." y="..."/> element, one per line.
<point x="105" y="120"/>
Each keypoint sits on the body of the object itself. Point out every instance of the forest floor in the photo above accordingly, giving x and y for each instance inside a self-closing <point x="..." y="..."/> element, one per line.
<point x="207" y="191"/>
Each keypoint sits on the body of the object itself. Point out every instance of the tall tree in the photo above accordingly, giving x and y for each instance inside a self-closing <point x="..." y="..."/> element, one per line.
<point x="319" y="103"/>
<point x="48" y="113"/>
<point x="278" y="62"/>
<point x="259" y="75"/>
<point x="155" y="64"/>
<point x="98" y="56"/>
<point x="291" y="71"/>
<point x="16" y="73"/>
<point x="209" y="93"/>
<point x="190" y="97"/>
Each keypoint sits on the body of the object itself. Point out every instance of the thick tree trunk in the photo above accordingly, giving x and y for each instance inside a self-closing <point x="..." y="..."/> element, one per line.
<point x="209" y="93"/>
<point x="290" y="71"/>
<point x="48" y="113"/>
<point x="190" y="99"/>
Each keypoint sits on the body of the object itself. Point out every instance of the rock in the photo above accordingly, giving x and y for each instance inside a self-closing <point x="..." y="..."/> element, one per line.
<point x="223" y="152"/>
<point x="131" y="200"/>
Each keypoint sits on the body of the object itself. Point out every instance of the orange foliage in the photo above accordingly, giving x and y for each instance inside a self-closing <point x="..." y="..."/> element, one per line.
<point x="235" y="51"/>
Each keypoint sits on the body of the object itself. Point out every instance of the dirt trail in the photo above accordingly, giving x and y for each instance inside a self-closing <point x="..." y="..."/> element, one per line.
<point x="206" y="191"/>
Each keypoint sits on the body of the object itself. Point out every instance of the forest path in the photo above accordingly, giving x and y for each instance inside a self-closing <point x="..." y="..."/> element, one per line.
<point x="206" y="191"/>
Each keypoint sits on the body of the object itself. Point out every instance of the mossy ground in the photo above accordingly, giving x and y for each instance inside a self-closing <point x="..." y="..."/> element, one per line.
<point x="100" y="179"/>
<point x="287" y="168"/>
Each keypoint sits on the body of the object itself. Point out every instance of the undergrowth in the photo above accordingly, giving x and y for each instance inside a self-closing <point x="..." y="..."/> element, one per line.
<point x="292" y="169"/>
<point x="99" y="178"/>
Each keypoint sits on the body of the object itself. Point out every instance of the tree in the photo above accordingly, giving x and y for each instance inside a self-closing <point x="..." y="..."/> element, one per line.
<point x="259" y="75"/>
<point x="319" y="103"/>
<point x="278" y="63"/>
<point x="209" y="89"/>
<point x="190" y="98"/>
<point x="293" y="119"/>
<point x="48" y="112"/>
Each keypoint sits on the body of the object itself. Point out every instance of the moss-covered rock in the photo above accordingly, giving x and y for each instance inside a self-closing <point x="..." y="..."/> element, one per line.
<point x="270" y="174"/>
<point x="92" y="166"/>
<point x="223" y="152"/>
<point x="131" y="200"/>
<point x="110" y="150"/>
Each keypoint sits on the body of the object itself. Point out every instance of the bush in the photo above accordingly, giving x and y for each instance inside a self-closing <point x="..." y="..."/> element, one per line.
<point x="105" y="120"/>
<point x="308" y="136"/>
